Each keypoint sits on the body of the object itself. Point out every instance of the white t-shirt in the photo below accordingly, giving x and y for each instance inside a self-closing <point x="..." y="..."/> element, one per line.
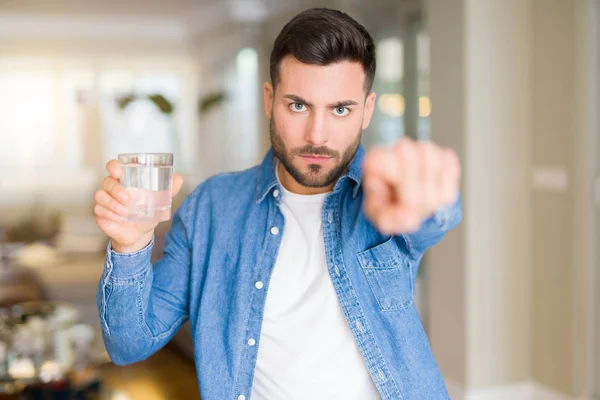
<point x="306" y="349"/>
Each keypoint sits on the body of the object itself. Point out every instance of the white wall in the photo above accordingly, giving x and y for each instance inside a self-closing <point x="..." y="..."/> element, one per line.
<point x="446" y="278"/>
<point x="479" y="78"/>
<point x="508" y="288"/>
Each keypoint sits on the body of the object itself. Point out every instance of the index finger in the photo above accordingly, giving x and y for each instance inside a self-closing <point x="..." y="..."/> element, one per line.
<point x="382" y="167"/>
<point x="382" y="162"/>
<point x="114" y="169"/>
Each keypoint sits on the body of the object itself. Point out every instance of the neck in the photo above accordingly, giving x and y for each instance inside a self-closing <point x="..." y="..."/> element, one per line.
<point x="290" y="184"/>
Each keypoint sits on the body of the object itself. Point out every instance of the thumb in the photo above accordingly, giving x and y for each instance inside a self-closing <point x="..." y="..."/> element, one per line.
<point x="177" y="184"/>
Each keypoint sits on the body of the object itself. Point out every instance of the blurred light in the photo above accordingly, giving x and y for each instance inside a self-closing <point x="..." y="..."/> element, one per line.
<point x="392" y="104"/>
<point x="28" y="125"/>
<point x="390" y="60"/>
<point x="120" y="395"/>
<point x="145" y="389"/>
<point x="247" y="10"/>
<point x="423" y="52"/>
<point x="116" y="81"/>
<point x="424" y="107"/>
<point x="247" y="62"/>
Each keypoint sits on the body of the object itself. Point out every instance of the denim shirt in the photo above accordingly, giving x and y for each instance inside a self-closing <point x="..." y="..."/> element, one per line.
<point x="215" y="272"/>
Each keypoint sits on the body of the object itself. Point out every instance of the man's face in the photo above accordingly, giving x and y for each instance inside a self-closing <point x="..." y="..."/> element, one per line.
<point x="317" y="116"/>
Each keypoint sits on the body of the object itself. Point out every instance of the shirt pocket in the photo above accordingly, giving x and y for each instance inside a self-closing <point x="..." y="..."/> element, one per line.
<point x="387" y="270"/>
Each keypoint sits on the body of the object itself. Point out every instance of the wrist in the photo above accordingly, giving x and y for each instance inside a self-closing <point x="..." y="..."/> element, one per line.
<point x="140" y="244"/>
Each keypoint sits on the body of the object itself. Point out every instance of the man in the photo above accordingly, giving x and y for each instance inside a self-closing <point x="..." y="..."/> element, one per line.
<point x="297" y="275"/>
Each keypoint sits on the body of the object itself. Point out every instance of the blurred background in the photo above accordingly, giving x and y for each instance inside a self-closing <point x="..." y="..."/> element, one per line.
<point x="510" y="300"/>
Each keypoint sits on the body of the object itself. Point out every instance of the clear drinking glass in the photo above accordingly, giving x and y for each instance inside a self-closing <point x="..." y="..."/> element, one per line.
<point x="147" y="178"/>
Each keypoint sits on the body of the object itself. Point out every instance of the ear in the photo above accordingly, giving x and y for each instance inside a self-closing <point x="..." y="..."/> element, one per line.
<point x="369" y="107"/>
<point x="268" y="93"/>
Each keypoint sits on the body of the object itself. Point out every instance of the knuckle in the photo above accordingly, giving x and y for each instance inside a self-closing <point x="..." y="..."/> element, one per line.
<point x="405" y="143"/>
<point x="117" y="189"/>
<point x="370" y="160"/>
<point x="410" y="199"/>
<point x="406" y="140"/>
<point x="429" y="154"/>
<point x="106" y="182"/>
<point x="402" y="144"/>
<point x="112" y="204"/>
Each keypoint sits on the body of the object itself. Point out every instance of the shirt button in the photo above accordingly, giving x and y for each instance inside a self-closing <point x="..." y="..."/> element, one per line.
<point x="241" y="397"/>
<point x="251" y="342"/>
<point x="329" y="217"/>
<point x="259" y="285"/>
<point x="275" y="193"/>
<point x="275" y="230"/>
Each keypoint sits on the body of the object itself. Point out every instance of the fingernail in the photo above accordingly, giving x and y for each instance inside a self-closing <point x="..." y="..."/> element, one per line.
<point x="123" y="197"/>
<point x="122" y="210"/>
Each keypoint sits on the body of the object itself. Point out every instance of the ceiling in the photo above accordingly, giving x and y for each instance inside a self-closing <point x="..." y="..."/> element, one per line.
<point x="181" y="10"/>
<point x="172" y="20"/>
<point x="144" y="8"/>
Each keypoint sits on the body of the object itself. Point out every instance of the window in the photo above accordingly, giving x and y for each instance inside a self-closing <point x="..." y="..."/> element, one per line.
<point x="40" y="135"/>
<point x="230" y="137"/>
<point x="387" y="124"/>
<point x="28" y="120"/>
<point x="140" y="126"/>
<point x="58" y="125"/>
<point x="245" y="108"/>
<point x="76" y="90"/>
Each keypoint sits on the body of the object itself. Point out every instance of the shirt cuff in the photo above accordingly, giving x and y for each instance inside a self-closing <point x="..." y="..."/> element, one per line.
<point x="128" y="265"/>
<point x="445" y="218"/>
<point x="442" y="217"/>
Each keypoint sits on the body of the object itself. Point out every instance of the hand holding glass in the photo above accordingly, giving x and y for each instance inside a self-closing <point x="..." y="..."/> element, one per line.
<point x="147" y="179"/>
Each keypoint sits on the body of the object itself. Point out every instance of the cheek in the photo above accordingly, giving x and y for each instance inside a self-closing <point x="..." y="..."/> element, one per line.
<point x="344" y="131"/>
<point x="289" y="126"/>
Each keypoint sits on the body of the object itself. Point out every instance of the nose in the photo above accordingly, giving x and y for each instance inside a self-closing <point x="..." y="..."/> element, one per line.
<point x="315" y="130"/>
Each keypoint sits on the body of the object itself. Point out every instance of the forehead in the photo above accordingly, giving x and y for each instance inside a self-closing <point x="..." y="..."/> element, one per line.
<point x="334" y="82"/>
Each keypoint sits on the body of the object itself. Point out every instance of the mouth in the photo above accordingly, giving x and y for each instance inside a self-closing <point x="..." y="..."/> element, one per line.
<point x="314" y="158"/>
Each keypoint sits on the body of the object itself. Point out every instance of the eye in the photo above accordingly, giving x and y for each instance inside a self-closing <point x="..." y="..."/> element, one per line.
<point x="297" y="107"/>
<point x="341" y="111"/>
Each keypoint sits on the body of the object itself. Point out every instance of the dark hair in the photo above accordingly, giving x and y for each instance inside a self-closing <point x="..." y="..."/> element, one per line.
<point x="321" y="36"/>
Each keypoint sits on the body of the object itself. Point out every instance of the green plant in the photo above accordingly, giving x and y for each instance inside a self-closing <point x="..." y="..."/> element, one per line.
<point x="205" y="104"/>
<point x="211" y="101"/>
<point x="164" y="105"/>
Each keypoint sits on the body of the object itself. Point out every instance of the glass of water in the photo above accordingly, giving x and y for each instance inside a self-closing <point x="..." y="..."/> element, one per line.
<point x="147" y="178"/>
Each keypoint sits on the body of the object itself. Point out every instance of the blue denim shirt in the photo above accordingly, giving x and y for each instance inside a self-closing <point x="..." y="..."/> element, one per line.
<point x="215" y="271"/>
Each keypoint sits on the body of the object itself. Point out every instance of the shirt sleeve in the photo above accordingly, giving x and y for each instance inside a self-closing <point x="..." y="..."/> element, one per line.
<point x="142" y="305"/>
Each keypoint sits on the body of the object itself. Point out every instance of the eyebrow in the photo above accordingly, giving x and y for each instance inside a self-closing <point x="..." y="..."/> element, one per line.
<point x="299" y="99"/>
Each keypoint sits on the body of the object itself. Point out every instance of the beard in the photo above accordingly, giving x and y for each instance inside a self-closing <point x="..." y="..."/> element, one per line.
<point x="316" y="176"/>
